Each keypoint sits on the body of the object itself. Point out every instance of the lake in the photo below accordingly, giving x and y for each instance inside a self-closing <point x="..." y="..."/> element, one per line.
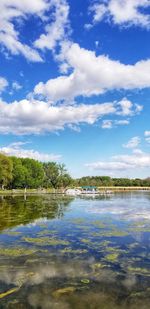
<point x="75" y="252"/>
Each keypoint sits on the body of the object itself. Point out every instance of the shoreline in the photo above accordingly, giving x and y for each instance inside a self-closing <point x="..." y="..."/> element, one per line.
<point x="60" y="191"/>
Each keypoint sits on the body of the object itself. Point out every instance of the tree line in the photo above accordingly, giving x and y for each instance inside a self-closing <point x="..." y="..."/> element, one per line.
<point x="106" y="181"/>
<point x="18" y="173"/>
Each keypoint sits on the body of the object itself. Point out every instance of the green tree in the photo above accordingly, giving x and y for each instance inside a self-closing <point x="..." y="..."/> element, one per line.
<point x="5" y="170"/>
<point x="51" y="170"/>
<point x="33" y="172"/>
<point x="19" y="173"/>
<point x="56" y="175"/>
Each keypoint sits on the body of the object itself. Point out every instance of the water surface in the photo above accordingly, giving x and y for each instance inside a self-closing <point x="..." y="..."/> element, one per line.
<point x="64" y="252"/>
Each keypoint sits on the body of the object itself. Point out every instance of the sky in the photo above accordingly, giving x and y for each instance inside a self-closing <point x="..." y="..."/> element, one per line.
<point x="75" y="84"/>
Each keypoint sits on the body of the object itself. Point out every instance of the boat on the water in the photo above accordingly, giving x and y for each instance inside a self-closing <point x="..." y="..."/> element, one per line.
<point x="73" y="192"/>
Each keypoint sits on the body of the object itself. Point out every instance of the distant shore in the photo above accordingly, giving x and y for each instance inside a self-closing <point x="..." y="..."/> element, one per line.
<point x="62" y="191"/>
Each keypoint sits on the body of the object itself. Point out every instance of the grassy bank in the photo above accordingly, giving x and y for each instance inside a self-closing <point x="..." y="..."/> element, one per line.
<point x="31" y="191"/>
<point x="61" y="191"/>
<point x="116" y="189"/>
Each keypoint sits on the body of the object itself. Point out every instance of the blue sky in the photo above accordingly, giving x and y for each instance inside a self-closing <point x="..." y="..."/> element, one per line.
<point x="75" y="84"/>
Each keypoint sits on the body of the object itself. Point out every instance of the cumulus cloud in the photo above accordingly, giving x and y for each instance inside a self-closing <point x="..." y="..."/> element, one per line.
<point x="17" y="150"/>
<point x="133" y="142"/>
<point x="53" y="13"/>
<point x="35" y="117"/>
<point x="137" y="159"/>
<point x="3" y="84"/>
<point x="55" y="31"/>
<point x="93" y="75"/>
<point x="11" y="11"/>
<point x="122" y="12"/>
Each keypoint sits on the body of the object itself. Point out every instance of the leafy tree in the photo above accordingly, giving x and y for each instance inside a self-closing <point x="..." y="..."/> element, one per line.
<point x="51" y="170"/>
<point x="19" y="173"/>
<point x="56" y="175"/>
<point x="5" y="170"/>
<point x="33" y="172"/>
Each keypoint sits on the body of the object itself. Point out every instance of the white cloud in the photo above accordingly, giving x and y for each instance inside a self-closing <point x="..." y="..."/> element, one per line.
<point x="55" y="31"/>
<point x="137" y="159"/>
<point x="16" y="86"/>
<point x="53" y="13"/>
<point x="133" y="142"/>
<point x="35" y="117"/>
<point x="109" y="124"/>
<point x="3" y="84"/>
<point x="93" y="75"/>
<point x="122" y="12"/>
<point x="15" y="149"/>
<point x="122" y="122"/>
<point x="147" y="133"/>
<point x="147" y="136"/>
<point x="148" y="139"/>
<point x="16" y="10"/>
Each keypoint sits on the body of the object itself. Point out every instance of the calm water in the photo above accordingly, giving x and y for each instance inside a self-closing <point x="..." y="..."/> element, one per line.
<point x="63" y="252"/>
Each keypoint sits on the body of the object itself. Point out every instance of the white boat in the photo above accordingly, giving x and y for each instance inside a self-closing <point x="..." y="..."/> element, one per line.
<point x="73" y="192"/>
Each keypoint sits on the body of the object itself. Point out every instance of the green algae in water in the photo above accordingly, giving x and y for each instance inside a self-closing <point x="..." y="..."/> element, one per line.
<point x="13" y="233"/>
<point x="64" y="291"/>
<point x="79" y="278"/>
<point x="16" y="252"/>
<point x="85" y="240"/>
<point x="139" y="270"/>
<point x="9" y="292"/>
<point x="85" y="281"/>
<point x="113" y="257"/>
<point x="47" y="232"/>
<point x="74" y="251"/>
<point x="99" y="224"/>
<point x="46" y="241"/>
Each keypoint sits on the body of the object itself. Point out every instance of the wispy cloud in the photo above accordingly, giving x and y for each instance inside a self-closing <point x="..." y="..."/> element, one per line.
<point x="133" y="142"/>
<point x="3" y="84"/>
<point x="17" y="150"/>
<point x="125" y="13"/>
<point x="137" y="159"/>
<point x="109" y="124"/>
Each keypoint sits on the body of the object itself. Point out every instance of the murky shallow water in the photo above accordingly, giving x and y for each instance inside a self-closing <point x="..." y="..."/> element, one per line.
<point x="63" y="252"/>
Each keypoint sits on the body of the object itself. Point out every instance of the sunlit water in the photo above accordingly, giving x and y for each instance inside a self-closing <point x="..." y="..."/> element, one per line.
<point x="65" y="252"/>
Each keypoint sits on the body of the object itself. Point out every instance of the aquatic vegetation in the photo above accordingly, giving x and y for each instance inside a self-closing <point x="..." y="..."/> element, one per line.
<point x="118" y="233"/>
<point x="105" y="243"/>
<point x="74" y="251"/>
<point x="111" y="233"/>
<point x="113" y="257"/>
<point x="85" y="281"/>
<point x="13" y="233"/>
<point x="99" y="224"/>
<point x="97" y="266"/>
<point x="46" y="241"/>
<point x="47" y="232"/>
<point x="9" y="292"/>
<point x="64" y="291"/>
<point x="73" y="261"/>
<point x="78" y="221"/>
<point x="16" y="251"/>
<point x="85" y="240"/>
<point x="139" y="270"/>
